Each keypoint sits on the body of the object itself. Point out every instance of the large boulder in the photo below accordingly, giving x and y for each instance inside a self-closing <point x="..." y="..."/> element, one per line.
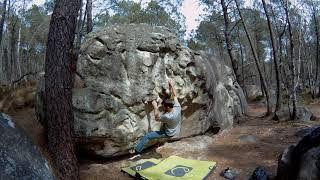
<point x="253" y="92"/>
<point x="310" y="165"/>
<point x="301" y="161"/>
<point x="19" y="157"/>
<point x="121" y="69"/>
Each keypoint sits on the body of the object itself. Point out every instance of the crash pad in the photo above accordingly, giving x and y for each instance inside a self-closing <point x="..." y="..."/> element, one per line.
<point x="173" y="168"/>
<point x="140" y="165"/>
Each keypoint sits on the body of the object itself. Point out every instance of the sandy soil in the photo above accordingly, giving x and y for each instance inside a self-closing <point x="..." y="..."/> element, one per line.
<point x="227" y="150"/>
<point x="272" y="138"/>
<point x="26" y="119"/>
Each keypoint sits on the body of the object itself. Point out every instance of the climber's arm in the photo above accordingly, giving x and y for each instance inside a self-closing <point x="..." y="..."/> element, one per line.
<point x="156" y="110"/>
<point x="173" y="89"/>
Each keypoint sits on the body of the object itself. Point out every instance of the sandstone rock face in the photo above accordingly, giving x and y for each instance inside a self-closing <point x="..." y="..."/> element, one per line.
<point x="19" y="157"/>
<point x="253" y="91"/>
<point x="123" y="68"/>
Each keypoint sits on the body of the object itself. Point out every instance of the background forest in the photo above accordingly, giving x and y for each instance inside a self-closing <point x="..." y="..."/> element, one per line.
<point x="273" y="44"/>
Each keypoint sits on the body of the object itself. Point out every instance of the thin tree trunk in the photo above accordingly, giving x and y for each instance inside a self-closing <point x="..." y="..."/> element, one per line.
<point x="275" y="58"/>
<point x="271" y="67"/>
<point x="227" y="35"/>
<point x="84" y="20"/>
<point x="302" y="68"/>
<point x="262" y="78"/>
<point x="18" y="53"/>
<point x="292" y="65"/>
<point x="89" y="16"/>
<point x="58" y="88"/>
<point x="298" y="63"/>
<point x="79" y="27"/>
<point x="19" y="45"/>
<point x="309" y="70"/>
<point x="259" y="56"/>
<point x="6" y="65"/>
<point x="13" y="62"/>
<point x="317" y="46"/>
<point x="4" y="10"/>
<point x="242" y="59"/>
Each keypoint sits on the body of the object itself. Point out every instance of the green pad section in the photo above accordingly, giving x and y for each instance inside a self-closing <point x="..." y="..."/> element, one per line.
<point x="140" y="165"/>
<point x="175" y="167"/>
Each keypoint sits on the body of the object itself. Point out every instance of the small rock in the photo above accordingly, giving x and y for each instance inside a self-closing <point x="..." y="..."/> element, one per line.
<point x="260" y="173"/>
<point x="248" y="139"/>
<point x="229" y="174"/>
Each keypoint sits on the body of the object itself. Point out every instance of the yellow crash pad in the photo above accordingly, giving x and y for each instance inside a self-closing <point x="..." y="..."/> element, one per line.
<point x="173" y="168"/>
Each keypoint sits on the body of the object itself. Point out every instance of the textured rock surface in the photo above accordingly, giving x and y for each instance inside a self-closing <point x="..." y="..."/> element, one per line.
<point x="310" y="165"/>
<point x="260" y="173"/>
<point x="301" y="161"/>
<point x="253" y="91"/>
<point x="19" y="157"/>
<point x="123" y="68"/>
<point x="303" y="132"/>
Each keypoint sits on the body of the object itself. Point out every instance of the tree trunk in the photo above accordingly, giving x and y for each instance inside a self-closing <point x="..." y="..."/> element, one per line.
<point x="298" y="63"/>
<point x="79" y="27"/>
<point x="58" y="88"/>
<point x="19" y="45"/>
<point x="89" y="16"/>
<point x="302" y="68"/>
<point x="6" y="65"/>
<point x="242" y="60"/>
<point x="18" y="64"/>
<point x="4" y="10"/>
<point x="227" y="35"/>
<point x="262" y="78"/>
<point x="317" y="46"/>
<point x="292" y="66"/>
<point x="13" y="63"/>
<point x="275" y="58"/>
<point x="309" y="70"/>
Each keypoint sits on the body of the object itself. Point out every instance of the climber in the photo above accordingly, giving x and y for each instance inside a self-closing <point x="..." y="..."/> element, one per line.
<point x="171" y="119"/>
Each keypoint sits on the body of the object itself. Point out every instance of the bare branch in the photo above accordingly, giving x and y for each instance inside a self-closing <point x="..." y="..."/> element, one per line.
<point x="235" y="25"/>
<point x="27" y="74"/>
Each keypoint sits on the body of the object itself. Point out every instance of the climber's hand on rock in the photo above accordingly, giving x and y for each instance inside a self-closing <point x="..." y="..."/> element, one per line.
<point x="154" y="104"/>
<point x="159" y="100"/>
<point x="172" y="88"/>
<point x="170" y="82"/>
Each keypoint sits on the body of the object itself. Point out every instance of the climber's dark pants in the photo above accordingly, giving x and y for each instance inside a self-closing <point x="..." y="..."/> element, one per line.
<point x="149" y="136"/>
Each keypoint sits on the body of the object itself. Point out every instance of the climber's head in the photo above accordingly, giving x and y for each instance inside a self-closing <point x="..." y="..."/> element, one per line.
<point x="168" y="105"/>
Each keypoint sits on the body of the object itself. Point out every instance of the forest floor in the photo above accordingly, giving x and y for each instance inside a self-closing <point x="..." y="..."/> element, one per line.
<point x="228" y="149"/>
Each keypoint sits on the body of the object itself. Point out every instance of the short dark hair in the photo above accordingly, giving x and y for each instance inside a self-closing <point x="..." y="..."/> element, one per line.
<point x="168" y="103"/>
